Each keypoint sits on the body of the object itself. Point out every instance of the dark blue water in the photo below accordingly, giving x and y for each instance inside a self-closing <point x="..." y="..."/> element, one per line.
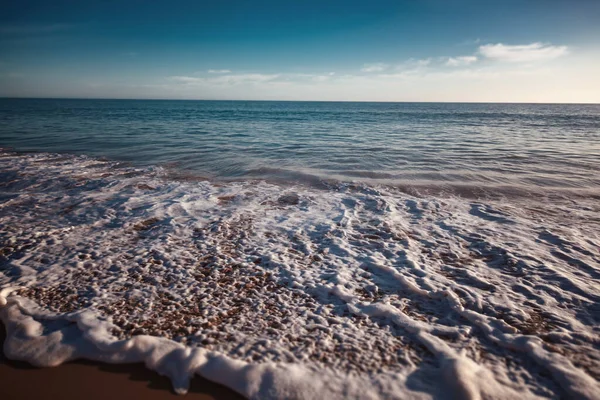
<point x="517" y="145"/>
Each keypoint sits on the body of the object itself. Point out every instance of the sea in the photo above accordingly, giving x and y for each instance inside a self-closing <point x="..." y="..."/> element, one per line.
<point x="307" y="249"/>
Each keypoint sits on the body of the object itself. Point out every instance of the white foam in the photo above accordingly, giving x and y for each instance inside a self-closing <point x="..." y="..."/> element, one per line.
<point x="293" y="292"/>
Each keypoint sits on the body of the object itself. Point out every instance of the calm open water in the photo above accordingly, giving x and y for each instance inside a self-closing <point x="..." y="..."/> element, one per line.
<point x="510" y="145"/>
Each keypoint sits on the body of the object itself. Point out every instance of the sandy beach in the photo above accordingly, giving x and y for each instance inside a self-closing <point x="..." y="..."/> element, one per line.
<point x="90" y="380"/>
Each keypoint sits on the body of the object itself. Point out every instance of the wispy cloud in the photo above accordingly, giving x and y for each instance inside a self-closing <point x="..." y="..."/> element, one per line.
<point x="243" y="78"/>
<point x="522" y="53"/>
<point x="460" y="61"/>
<point x="234" y="79"/>
<point x="486" y="81"/>
<point x="186" y="79"/>
<point x="422" y="62"/>
<point x="377" y="67"/>
<point x="414" y="63"/>
<point x="383" y="81"/>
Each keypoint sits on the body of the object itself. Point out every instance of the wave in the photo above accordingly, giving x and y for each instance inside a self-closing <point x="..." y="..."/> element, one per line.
<point x="294" y="291"/>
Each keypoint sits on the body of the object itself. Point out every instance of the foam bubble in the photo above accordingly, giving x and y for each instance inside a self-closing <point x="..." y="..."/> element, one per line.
<point x="290" y="291"/>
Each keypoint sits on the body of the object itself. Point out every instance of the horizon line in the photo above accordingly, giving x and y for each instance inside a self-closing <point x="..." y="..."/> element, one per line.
<point x="294" y="101"/>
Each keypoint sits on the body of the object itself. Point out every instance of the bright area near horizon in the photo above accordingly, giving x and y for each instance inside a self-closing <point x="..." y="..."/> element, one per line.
<point x="514" y="51"/>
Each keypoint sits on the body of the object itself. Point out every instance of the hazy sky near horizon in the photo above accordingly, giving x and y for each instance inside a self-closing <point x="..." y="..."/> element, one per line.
<point x="431" y="50"/>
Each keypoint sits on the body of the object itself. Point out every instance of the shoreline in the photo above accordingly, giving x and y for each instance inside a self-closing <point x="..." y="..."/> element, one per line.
<point x="417" y="187"/>
<point x="356" y="293"/>
<point x="94" y="380"/>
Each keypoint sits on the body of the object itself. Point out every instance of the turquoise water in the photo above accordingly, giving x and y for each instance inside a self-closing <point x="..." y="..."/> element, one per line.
<point x="509" y="145"/>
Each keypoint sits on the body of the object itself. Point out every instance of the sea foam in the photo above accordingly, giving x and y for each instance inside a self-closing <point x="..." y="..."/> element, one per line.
<point x="287" y="291"/>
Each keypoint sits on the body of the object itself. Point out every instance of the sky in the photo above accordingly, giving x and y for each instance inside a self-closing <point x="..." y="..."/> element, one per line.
<point x="430" y="50"/>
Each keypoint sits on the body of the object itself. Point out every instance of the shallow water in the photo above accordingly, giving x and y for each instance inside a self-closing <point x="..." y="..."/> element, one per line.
<point x="331" y="287"/>
<point x="518" y="145"/>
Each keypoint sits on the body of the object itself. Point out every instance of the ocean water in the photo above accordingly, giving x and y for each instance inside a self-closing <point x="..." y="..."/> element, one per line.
<point x="487" y="145"/>
<point x="307" y="250"/>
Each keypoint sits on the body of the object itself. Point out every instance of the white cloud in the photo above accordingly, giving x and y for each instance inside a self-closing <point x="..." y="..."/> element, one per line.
<point x="522" y="53"/>
<point x="420" y="63"/>
<point x="225" y="79"/>
<point x="460" y="61"/>
<point x="219" y="71"/>
<point x="413" y="64"/>
<point x="461" y="78"/>
<point x="186" y="79"/>
<point x="377" y="67"/>
<point x="243" y="78"/>
<point x="493" y="81"/>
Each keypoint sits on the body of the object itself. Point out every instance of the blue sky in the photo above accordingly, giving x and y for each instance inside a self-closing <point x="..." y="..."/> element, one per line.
<point x="432" y="50"/>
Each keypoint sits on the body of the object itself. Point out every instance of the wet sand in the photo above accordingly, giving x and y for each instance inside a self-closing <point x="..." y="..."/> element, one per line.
<point x="91" y="380"/>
